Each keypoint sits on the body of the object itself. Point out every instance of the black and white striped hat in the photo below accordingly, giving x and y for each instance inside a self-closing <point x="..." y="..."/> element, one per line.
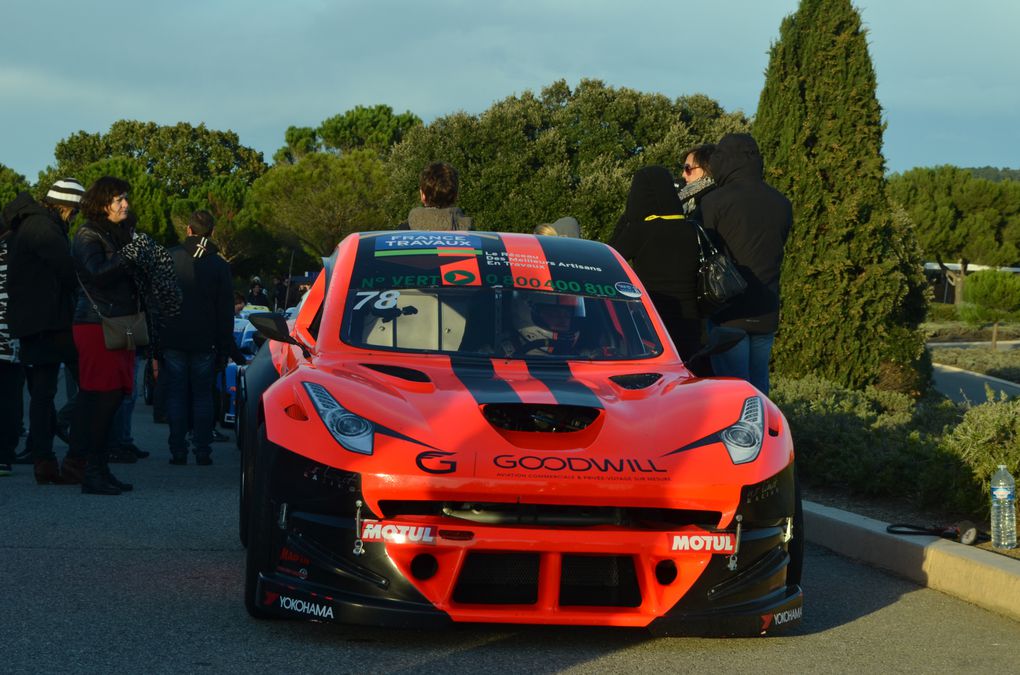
<point x="67" y="192"/>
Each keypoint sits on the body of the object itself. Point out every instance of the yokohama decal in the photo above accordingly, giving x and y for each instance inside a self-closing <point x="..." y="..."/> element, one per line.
<point x="300" y="606"/>
<point x="723" y="542"/>
<point x="780" y="618"/>
<point x="390" y="533"/>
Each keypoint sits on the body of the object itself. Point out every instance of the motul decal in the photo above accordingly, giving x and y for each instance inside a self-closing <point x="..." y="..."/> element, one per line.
<point x="390" y="533"/>
<point x="723" y="542"/>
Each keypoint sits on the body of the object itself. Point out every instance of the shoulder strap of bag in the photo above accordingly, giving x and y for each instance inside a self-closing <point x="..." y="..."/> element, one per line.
<point x="705" y="246"/>
<point x="94" y="305"/>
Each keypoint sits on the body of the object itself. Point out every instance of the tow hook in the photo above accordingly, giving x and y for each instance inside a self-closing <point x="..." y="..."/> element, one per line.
<point x="732" y="565"/>
<point x="788" y="531"/>
<point x="359" y="546"/>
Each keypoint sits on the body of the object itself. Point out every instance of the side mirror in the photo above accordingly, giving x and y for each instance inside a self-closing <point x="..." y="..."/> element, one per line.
<point x="273" y="326"/>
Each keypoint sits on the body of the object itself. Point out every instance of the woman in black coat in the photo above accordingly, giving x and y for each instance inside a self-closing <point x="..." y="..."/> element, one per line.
<point x="662" y="245"/>
<point x="109" y="290"/>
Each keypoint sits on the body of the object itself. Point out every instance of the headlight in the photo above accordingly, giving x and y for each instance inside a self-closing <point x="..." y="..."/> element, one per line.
<point x="353" y="432"/>
<point x="743" y="439"/>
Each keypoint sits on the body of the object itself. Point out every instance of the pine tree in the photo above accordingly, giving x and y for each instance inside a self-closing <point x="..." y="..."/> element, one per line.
<point x="853" y="289"/>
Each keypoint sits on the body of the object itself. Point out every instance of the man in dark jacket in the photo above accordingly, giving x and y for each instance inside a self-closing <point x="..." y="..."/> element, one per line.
<point x="42" y="285"/>
<point x="751" y="220"/>
<point x="438" y="188"/>
<point x="193" y="344"/>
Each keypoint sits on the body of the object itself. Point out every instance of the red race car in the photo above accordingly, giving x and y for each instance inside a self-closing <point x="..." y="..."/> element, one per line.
<point x="483" y="427"/>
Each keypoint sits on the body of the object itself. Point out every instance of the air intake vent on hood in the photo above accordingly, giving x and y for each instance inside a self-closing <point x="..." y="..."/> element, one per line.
<point x="539" y="416"/>
<point x="409" y="374"/>
<point x="639" y="381"/>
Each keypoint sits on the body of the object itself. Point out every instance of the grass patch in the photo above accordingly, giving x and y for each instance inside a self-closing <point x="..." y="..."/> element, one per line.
<point x="960" y="331"/>
<point x="1003" y="363"/>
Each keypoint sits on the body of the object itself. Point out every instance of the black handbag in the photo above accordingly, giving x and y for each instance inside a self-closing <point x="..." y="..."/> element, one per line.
<point x="122" y="332"/>
<point x="719" y="280"/>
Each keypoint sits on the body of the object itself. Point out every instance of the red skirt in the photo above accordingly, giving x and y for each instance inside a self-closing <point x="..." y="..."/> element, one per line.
<point x="99" y="368"/>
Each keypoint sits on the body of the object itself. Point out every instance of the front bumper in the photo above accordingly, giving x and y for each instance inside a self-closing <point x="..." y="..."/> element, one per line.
<point x="426" y="570"/>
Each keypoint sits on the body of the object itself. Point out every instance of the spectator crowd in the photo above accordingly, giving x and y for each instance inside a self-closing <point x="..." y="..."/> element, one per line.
<point x="96" y="306"/>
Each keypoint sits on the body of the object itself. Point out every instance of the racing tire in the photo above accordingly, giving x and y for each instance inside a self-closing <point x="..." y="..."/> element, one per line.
<point x="261" y="521"/>
<point x="796" y="545"/>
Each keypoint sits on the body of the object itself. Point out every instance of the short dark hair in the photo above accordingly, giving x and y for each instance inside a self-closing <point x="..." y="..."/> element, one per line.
<point x="703" y="156"/>
<point x="201" y="223"/>
<point x="439" y="184"/>
<point x="100" y="195"/>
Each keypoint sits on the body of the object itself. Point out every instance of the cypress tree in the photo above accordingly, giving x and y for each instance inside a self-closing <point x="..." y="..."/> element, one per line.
<point x="853" y="289"/>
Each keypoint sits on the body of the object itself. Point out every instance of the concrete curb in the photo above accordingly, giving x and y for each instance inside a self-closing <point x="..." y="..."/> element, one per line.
<point x="996" y="380"/>
<point x="976" y="576"/>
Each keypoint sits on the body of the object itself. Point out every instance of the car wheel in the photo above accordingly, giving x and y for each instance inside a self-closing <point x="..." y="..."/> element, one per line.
<point x="796" y="545"/>
<point x="261" y="521"/>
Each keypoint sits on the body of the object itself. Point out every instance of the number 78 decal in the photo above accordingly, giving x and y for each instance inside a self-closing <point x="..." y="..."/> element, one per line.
<point x="386" y="299"/>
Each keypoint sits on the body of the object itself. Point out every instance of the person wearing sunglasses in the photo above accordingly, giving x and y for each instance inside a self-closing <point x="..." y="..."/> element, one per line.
<point x="41" y="288"/>
<point x="698" y="179"/>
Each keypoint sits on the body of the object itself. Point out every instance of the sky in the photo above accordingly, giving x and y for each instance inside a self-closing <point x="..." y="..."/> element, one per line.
<point x="948" y="72"/>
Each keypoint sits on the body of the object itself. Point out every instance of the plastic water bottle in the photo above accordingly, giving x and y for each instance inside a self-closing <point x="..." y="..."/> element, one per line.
<point x="1003" y="509"/>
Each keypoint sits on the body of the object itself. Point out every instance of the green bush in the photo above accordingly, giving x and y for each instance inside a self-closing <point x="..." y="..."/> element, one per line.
<point x="1004" y="364"/>
<point x="990" y="296"/>
<point x="872" y="441"/>
<point x="941" y="311"/>
<point x="988" y="435"/>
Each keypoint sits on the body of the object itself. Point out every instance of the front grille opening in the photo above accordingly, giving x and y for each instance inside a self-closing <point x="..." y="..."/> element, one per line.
<point x="540" y="417"/>
<point x="498" y="579"/>
<point x="599" y="581"/>
<point x="518" y="513"/>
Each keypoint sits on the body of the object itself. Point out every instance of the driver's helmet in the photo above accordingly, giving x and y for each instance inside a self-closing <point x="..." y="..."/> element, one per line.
<point x="550" y="322"/>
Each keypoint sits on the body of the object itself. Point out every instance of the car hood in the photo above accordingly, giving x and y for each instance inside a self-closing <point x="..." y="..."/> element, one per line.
<point x="468" y="430"/>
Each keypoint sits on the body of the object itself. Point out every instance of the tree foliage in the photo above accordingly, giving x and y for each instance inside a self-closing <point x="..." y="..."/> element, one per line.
<point x="995" y="175"/>
<point x="991" y="296"/>
<point x="853" y="288"/>
<point x="148" y="201"/>
<point x="178" y="157"/>
<point x="960" y="217"/>
<point x="11" y="183"/>
<point x="375" y="128"/>
<point x="322" y="198"/>
<point x="532" y="158"/>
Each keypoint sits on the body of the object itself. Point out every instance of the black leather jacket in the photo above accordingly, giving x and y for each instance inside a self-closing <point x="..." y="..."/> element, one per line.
<point x="103" y="274"/>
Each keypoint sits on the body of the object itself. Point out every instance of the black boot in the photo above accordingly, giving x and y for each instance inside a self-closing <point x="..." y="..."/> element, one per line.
<point x="112" y="480"/>
<point x="94" y="482"/>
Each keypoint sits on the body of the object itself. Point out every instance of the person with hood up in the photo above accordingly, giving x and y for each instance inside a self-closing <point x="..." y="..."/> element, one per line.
<point x="196" y="343"/>
<point x="662" y="246"/>
<point x="751" y="220"/>
<point x="41" y="288"/>
<point x="438" y="188"/>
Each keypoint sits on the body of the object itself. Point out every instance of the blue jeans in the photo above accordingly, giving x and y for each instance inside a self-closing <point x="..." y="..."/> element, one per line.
<point x="748" y="360"/>
<point x="189" y="375"/>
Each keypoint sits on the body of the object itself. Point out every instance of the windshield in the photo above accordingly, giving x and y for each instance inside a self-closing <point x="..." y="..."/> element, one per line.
<point x="502" y="322"/>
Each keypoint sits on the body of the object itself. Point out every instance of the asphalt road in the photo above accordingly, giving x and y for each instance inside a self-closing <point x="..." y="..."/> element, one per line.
<point x="150" y="582"/>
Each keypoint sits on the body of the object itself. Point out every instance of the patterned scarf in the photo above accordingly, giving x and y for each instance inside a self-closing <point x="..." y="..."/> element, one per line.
<point x="691" y="192"/>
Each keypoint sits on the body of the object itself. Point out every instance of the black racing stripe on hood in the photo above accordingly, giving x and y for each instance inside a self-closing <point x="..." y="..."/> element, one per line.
<point x="479" y="376"/>
<point x="560" y="381"/>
